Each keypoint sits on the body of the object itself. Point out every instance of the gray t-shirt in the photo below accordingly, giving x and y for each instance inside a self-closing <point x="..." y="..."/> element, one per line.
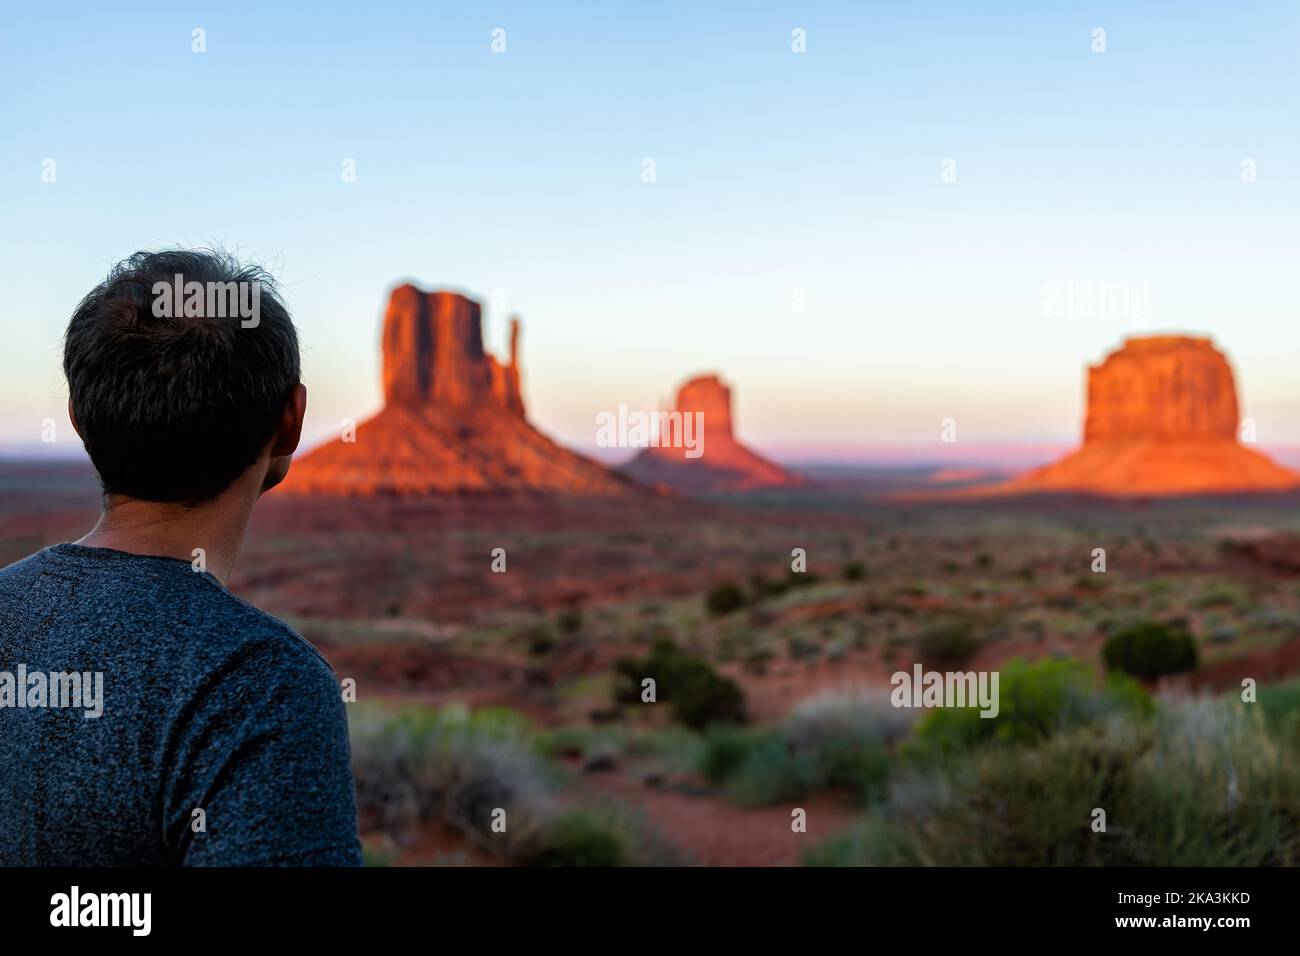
<point x="221" y="738"/>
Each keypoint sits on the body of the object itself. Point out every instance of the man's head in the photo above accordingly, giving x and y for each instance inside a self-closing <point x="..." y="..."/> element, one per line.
<point x="174" y="389"/>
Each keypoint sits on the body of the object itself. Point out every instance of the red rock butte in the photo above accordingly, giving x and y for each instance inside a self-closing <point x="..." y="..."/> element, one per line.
<point x="725" y="465"/>
<point x="453" y="420"/>
<point x="1162" y="420"/>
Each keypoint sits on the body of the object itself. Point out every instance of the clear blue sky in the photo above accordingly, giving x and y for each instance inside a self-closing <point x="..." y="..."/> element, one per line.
<point x="776" y="171"/>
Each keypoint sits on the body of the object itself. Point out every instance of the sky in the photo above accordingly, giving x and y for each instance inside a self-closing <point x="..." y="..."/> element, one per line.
<point x="863" y="238"/>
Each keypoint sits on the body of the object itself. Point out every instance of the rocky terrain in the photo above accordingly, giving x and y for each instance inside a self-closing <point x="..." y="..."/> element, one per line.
<point x="1162" y="419"/>
<point x="453" y="420"/>
<point x="726" y="465"/>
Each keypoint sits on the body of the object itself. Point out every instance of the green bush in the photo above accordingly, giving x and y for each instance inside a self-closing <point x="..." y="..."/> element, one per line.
<point x="702" y="697"/>
<point x="1280" y="704"/>
<point x="576" y="839"/>
<point x="995" y="807"/>
<point x="862" y="766"/>
<point x="854" y="571"/>
<point x="1204" y="784"/>
<point x="829" y="741"/>
<point x="772" y="772"/>
<point x="1035" y="701"/>
<point x="947" y="644"/>
<point x="1150" y="649"/>
<point x="723" y="753"/>
<point x="451" y="766"/>
<point x="569" y="620"/>
<point x="698" y="695"/>
<point x="724" y="599"/>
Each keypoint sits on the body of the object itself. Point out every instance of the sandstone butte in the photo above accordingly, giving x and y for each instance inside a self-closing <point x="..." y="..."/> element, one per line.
<point x="725" y="465"/>
<point x="453" y="420"/>
<point x="1162" y="420"/>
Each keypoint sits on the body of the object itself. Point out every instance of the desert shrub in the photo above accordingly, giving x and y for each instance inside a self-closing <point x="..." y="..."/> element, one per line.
<point x="373" y="856"/>
<point x="855" y="715"/>
<point x="702" y="697"/>
<point x="576" y="838"/>
<point x="1280" y="701"/>
<point x="569" y="620"/>
<point x="833" y="740"/>
<point x="1150" y="649"/>
<point x="947" y="643"/>
<point x="1035" y="701"/>
<point x="697" y="694"/>
<point x="1204" y="784"/>
<point x="724" y="599"/>
<point x="772" y="772"/>
<point x="670" y="748"/>
<point x="723" y="752"/>
<point x="452" y="766"/>
<point x="761" y="768"/>
<point x="631" y="671"/>
<point x="540" y="643"/>
<point x="416" y="766"/>
<point x="854" y="571"/>
<point x="1280" y="705"/>
<point x="762" y="587"/>
<point x="862" y="766"/>
<point x="1222" y="595"/>
<point x="800" y="648"/>
<point x="1216" y="789"/>
<point x="994" y="807"/>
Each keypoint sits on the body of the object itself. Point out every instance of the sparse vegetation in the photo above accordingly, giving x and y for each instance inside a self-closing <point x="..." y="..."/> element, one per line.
<point x="453" y="767"/>
<point x="1036" y="701"/>
<point x="698" y="695"/>
<point x="569" y="620"/>
<point x="947" y="644"/>
<point x="1150" y="649"/>
<point x="576" y="838"/>
<point x="725" y="598"/>
<point x="1205" y="784"/>
<point x="832" y="741"/>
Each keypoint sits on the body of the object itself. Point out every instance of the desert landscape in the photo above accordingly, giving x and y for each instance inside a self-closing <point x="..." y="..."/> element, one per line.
<point x="496" y="602"/>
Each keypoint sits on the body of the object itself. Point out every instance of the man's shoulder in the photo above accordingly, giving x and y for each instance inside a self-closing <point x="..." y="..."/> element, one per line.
<point x="232" y="636"/>
<point x="161" y="611"/>
<point x="25" y="568"/>
<point x="254" y="633"/>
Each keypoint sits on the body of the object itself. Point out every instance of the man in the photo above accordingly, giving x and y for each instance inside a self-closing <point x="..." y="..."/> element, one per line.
<point x="148" y="716"/>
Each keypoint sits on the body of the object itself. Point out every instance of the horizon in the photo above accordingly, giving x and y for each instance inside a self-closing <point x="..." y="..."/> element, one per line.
<point x="1009" y="458"/>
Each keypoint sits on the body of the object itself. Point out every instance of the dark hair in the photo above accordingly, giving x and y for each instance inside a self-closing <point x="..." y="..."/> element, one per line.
<point x="174" y="406"/>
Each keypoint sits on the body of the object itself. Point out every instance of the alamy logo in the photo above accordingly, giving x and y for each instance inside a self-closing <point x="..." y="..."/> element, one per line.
<point x="951" y="689"/>
<point x="1085" y="299"/>
<point x="213" y="300"/>
<point x="102" y="909"/>
<point x="22" y="689"/>
<point x="636" y="429"/>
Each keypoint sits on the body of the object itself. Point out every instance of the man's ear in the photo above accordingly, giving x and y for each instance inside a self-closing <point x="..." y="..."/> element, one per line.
<point x="289" y="431"/>
<point x="72" y="417"/>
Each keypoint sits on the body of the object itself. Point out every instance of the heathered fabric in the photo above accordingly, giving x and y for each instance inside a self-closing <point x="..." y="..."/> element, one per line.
<point x="208" y="703"/>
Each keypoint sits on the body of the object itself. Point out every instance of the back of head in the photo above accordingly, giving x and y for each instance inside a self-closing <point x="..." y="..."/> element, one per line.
<point x="179" y="367"/>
